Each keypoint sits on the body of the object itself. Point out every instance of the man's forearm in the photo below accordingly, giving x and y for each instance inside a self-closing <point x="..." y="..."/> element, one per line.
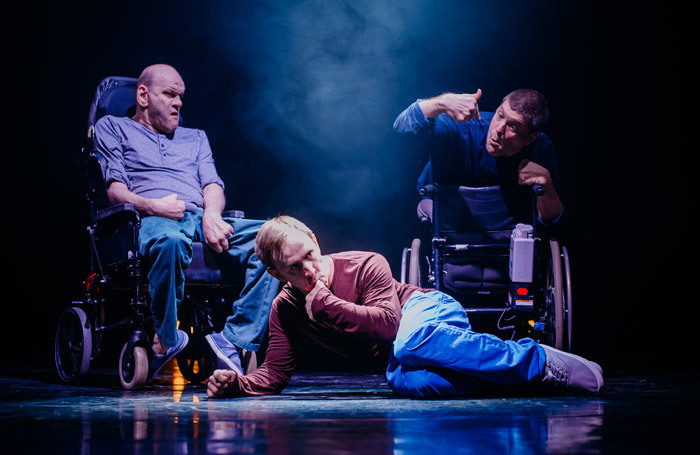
<point x="431" y="107"/>
<point x="167" y="207"/>
<point x="214" y="198"/>
<point x="118" y="193"/>
<point x="460" y="107"/>
<point x="377" y="320"/>
<point x="549" y="206"/>
<point x="216" y="230"/>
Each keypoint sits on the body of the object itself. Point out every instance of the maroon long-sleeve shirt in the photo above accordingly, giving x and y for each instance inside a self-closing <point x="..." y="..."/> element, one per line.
<point x="355" y="316"/>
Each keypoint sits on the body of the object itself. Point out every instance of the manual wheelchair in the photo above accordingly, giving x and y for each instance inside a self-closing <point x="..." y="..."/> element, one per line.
<point x="115" y="299"/>
<point x="511" y="281"/>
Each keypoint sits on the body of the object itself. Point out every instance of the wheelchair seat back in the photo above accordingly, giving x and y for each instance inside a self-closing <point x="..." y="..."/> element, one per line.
<point x="116" y="96"/>
<point x="478" y="219"/>
<point x="473" y="215"/>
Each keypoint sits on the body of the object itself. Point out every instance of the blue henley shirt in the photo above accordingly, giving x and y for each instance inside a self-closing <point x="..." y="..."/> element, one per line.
<point x="155" y="165"/>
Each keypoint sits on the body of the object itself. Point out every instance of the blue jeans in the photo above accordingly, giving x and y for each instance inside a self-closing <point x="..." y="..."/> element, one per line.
<point x="437" y="354"/>
<point x="168" y="246"/>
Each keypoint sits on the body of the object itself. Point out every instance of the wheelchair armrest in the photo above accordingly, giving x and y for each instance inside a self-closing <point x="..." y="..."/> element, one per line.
<point x="114" y="234"/>
<point x="233" y="214"/>
<point x="115" y="210"/>
<point x="129" y="210"/>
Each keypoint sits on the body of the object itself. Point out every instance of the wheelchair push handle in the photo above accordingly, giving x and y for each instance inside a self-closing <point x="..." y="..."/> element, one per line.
<point x="428" y="190"/>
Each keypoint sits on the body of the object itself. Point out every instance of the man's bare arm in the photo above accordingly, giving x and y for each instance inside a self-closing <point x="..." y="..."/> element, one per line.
<point x="549" y="205"/>
<point x="216" y="230"/>
<point x="460" y="107"/>
<point x="167" y="207"/>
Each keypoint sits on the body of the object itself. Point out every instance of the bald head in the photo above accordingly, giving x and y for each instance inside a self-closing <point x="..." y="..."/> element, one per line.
<point x="159" y="91"/>
<point x="157" y="72"/>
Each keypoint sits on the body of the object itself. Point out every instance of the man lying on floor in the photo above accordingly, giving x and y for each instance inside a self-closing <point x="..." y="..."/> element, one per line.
<point x="350" y="303"/>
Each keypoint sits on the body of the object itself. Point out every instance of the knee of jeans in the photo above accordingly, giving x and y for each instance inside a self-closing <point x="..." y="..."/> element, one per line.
<point x="171" y="245"/>
<point x="408" y="343"/>
<point x="419" y="384"/>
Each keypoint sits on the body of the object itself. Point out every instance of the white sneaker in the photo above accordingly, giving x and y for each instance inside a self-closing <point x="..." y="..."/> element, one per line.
<point x="567" y="371"/>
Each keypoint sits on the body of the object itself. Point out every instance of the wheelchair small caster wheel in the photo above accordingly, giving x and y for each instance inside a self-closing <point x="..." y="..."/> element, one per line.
<point x="72" y="344"/>
<point x="133" y="367"/>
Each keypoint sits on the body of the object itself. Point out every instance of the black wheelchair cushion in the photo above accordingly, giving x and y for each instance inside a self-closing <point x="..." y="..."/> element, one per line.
<point x="476" y="276"/>
<point x="204" y="267"/>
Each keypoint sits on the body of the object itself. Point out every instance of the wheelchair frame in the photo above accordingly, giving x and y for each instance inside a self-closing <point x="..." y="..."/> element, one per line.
<point x="117" y="276"/>
<point x="549" y="319"/>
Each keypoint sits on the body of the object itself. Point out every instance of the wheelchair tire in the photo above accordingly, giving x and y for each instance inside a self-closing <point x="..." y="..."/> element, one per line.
<point x="414" y="264"/>
<point x="194" y="362"/>
<point x="72" y="344"/>
<point x="568" y="314"/>
<point x="133" y="371"/>
<point x="556" y="295"/>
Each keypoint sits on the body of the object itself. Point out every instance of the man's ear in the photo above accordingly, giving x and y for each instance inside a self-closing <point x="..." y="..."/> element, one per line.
<point x="277" y="275"/>
<point x="532" y="138"/>
<point x="142" y="96"/>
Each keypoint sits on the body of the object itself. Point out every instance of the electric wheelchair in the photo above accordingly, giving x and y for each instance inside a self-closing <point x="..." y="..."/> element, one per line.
<point x="116" y="299"/>
<point x="511" y="280"/>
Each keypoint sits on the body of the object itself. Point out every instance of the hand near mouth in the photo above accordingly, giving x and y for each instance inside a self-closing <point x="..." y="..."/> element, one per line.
<point x="318" y="283"/>
<point x="320" y="277"/>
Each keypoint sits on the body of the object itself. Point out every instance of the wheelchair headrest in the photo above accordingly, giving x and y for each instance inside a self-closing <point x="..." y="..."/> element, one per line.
<point x="115" y="95"/>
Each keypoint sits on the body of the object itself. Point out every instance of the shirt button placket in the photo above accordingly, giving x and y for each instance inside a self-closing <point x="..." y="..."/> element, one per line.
<point x="163" y="153"/>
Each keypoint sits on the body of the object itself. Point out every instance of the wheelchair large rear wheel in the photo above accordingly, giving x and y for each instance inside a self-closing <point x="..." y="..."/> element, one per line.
<point x="555" y="298"/>
<point x="133" y="367"/>
<point x="568" y="306"/>
<point x="72" y="344"/>
<point x="414" y="275"/>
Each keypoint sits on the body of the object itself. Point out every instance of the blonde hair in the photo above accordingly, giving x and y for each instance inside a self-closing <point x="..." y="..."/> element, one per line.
<point x="273" y="234"/>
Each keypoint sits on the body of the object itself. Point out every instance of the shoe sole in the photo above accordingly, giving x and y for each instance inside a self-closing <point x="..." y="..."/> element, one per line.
<point x="221" y="356"/>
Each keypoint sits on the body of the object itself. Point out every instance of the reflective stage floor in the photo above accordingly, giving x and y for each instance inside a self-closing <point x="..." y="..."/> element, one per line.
<point x="339" y="413"/>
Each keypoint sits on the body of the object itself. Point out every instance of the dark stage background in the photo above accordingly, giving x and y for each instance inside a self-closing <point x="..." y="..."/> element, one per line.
<point x="298" y="99"/>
